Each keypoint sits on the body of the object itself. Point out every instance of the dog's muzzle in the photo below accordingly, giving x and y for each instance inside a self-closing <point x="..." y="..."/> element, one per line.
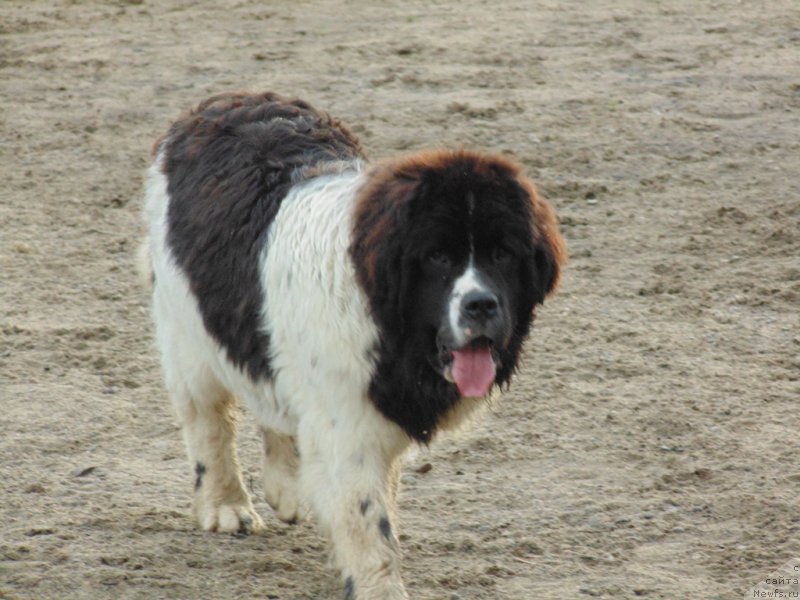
<point x="468" y="356"/>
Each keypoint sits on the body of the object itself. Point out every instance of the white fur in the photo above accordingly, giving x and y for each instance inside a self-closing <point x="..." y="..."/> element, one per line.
<point x="469" y="281"/>
<point x="321" y="337"/>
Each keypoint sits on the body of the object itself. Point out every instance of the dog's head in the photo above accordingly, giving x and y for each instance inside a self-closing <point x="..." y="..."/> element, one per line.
<point x="454" y="250"/>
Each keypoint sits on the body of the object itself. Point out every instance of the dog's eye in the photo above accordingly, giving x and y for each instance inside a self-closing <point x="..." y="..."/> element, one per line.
<point x="501" y="255"/>
<point x="439" y="258"/>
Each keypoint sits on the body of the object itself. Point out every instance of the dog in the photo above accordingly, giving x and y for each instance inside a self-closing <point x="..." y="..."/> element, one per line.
<point x="355" y="308"/>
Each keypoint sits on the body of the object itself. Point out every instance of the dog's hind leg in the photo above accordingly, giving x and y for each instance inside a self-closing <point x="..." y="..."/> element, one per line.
<point x="207" y="413"/>
<point x="279" y="474"/>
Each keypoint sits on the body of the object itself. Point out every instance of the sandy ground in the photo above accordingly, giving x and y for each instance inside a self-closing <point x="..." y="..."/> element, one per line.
<point x="650" y="446"/>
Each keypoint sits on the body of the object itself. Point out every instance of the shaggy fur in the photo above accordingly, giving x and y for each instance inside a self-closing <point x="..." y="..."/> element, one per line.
<point x="354" y="310"/>
<point x="455" y="203"/>
<point x="229" y="164"/>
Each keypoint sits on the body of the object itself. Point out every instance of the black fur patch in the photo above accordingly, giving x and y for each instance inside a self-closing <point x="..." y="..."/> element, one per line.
<point x="229" y="164"/>
<point x="386" y="528"/>
<point x="365" y="504"/>
<point x="349" y="589"/>
<point x="446" y="204"/>
<point x="199" y="471"/>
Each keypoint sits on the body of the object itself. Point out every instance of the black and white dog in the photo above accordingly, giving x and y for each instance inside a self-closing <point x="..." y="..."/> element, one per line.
<point x="355" y="309"/>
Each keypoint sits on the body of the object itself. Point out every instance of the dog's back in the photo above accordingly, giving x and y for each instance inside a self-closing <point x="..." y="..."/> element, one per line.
<point x="229" y="164"/>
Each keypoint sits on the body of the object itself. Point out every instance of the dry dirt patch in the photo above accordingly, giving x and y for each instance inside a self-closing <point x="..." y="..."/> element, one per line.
<point x="650" y="446"/>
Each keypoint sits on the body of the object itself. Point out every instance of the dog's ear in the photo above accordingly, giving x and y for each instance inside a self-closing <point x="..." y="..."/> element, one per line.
<point x="381" y="218"/>
<point x="550" y="249"/>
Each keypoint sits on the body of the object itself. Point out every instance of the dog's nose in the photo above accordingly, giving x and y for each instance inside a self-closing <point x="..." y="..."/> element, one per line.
<point x="480" y="305"/>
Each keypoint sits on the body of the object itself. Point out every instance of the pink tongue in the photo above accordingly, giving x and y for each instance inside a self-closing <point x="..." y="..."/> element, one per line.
<point x="474" y="370"/>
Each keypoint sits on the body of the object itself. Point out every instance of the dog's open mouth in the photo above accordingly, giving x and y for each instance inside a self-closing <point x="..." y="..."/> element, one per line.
<point x="472" y="367"/>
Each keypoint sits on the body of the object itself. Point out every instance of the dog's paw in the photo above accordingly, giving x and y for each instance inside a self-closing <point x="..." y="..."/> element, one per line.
<point x="281" y="493"/>
<point x="229" y="518"/>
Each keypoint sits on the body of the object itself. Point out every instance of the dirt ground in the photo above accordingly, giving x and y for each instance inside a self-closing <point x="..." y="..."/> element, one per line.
<point x="649" y="448"/>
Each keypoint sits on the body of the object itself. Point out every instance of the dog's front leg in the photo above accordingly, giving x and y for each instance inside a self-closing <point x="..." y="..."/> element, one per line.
<point x="345" y="472"/>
